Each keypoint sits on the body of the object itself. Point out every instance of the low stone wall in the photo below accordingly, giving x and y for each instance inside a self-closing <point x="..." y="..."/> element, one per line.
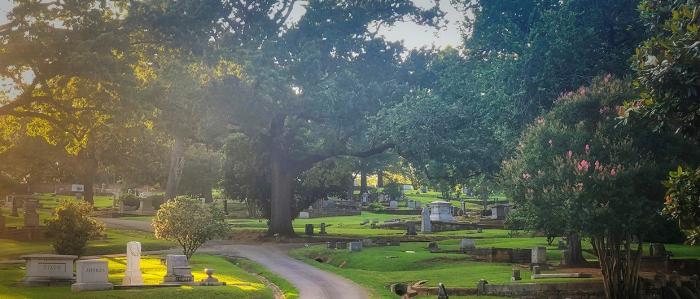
<point x="334" y="213"/>
<point x="396" y="212"/>
<point x="502" y="255"/>
<point x="23" y="234"/>
<point x="578" y="290"/>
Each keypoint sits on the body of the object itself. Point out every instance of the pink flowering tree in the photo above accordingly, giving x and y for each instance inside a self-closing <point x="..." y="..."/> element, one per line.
<point x="578" y="172"/>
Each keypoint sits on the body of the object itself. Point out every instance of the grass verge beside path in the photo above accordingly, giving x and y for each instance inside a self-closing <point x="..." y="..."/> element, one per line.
<point x="288" y="290"/>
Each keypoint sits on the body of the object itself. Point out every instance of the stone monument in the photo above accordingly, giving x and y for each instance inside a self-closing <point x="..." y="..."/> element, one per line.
<point x="355" y="246"/>
<point x="393" y="204"/>
<point x="322" y="228"/>
<point x="31" y="217"/>
<point x="410" y="229"/>
<point x="91" y="275"/>
<point x="539" y="256"/>
<point x="14" y="206"/>
<point x="146" y="206"/>
<point x="467" y="244"/>
<point x="133" y="276"/>
<point x="178" y="269"/>
<point x="2" y="222"/>
<point x="48" y="269"/>
<point x="441" y="211"/>
<point x="365" y="197"/>
<point x="425" y="225"/>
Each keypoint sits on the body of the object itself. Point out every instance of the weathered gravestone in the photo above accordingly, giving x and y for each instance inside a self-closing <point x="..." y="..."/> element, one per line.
<point x="515" y="275"/>
<point x="467" y="244"/>
<point x="309" y="229"/>
<point x="657" y="249"/>
<point x="15" y="203"/>
<point x="355" y="246"/>
<point x="561" y="245"/>
<point x="330" y="245"/>
<point x="410" y="229"/>
<point x="442" y="292"/>
<point x="178" y="269"/>
<point x="539" y="256"/>
<point x="322" y="228"/>
<point x="432" y="246"/>
<point x="304" y="215"/>
<point x="393" y="204"/>
<point x="366" y="242"/>
<point x="48" y="269"/>
<point x="340" y="245"/>
<point x="146" y="206"/>
<point x="133" y="276"/>
<point x="425" y="225"/>
<point x="411" y="204"/>
<point x="91" y="275"/>
<point x="31" y="217"/>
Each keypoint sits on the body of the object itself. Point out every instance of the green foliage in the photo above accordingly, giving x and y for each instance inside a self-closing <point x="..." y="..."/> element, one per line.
<point x="393" y="189"/>
<point x="71" y="227"/>
<point x="129" y="199"/>
<point x="668" y="65"/>
<point x="375" y="207"/>
<point x="683" y="201"/>
<point x="523" y="53"/>
<point x="201" y="172"/>
<point x="576" y="170"/>
<point x="189" y="222"/>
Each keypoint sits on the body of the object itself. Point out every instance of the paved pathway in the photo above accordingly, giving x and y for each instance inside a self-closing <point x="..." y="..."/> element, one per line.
<point x="311" y="282"/>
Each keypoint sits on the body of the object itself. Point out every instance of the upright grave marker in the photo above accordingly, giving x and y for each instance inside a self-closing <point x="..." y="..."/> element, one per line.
<point x="91" y="275"/>
<point x="48" y="269"/>
<point x="133" y="276"/>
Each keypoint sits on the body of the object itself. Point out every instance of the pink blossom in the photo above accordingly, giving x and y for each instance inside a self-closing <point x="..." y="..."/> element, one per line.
<point x="583" y="166"/>
<point x="587" y="149"/>
<point x="526" y="175"/>
<point x="597" y="165"/>
<point x="582" y="90"/>
<point x="613" y="172"/>
<point x="569" y="154"/>
<point x="607" y="78"/>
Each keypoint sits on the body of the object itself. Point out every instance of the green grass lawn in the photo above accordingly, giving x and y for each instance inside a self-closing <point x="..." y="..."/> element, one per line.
<point x="114" y="243"/>
<point x="377" y="268"/>
<point x="48" y="204"/>
<point x="240" y="284"/>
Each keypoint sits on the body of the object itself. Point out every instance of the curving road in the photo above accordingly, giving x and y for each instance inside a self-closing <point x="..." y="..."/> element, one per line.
<point x="311" y="282"/>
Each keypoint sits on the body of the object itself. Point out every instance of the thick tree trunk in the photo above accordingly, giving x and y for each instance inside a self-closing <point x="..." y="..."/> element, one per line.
<point x="380" y="179"/>
<point x="363" y="180"/>
<point x="282" y="195"/>
<point x="177" y="164"/>
<point x="619" y="264"/>
<point x="89" y="166"/>
<point x="573" y="243"/>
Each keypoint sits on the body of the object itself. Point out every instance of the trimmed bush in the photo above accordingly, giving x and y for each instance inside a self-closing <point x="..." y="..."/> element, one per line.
<point x="71" y="227"/>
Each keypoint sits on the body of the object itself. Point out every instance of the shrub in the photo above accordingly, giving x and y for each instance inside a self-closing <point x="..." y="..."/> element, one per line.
<point x="71" y="227"/>
<point x="189" y="222"/>
<point x="375" y="207"/>
<point x="130" y="200"/>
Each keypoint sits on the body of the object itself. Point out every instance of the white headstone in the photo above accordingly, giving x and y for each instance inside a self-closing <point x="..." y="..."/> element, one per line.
<point x="91" y="275"/>
<point x="441" y="211"/>
<point x="44" y="269"/>
<point x="411" y="204"/>
<point x="425" y="225"/>
<point x="467" y="244"/>
<point x="393" y="204"/>
<point x="539" y="255"/>
<point x="133" y="276"/>
<point x="365" y="197"/>
<point x="303" y="215"/>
